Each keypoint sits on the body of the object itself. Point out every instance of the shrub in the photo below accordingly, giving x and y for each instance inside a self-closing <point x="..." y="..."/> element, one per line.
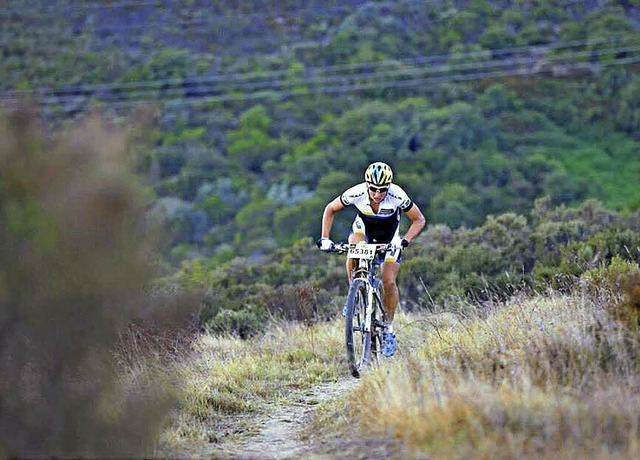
<point x="621" y="279"/>
<point x="74" y="267"/>
<point x="245" y="323"/>
<point x="631" y="303"/>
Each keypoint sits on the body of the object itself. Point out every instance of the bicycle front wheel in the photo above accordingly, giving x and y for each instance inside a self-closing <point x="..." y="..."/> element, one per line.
<point x="377" y="325"/>
<point x="357" y="339"/>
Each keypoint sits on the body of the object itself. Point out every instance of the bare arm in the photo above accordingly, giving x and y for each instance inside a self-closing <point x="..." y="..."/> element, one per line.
<point x="327" y="216"/>
<point x="417" y="223"/>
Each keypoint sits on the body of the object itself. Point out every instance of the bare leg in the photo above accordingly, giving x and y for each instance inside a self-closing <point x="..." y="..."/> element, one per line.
<point x="351" y="263"/>
<point x="391" y="296"/>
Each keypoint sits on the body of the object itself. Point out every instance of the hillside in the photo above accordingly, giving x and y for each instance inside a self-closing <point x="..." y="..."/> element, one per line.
<point x="514" y="125"/>
<point x="266" y="110"/>
<point x="100" y="359"/>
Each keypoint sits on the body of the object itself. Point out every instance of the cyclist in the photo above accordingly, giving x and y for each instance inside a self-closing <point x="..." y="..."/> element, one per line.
<point x="379" y="202"/>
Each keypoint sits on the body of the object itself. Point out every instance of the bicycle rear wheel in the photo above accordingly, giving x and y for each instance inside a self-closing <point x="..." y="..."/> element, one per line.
<point x="357" y="339"/>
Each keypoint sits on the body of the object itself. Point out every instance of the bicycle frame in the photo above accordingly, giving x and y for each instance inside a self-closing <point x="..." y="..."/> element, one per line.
<point x="364" y="311"/>
<point x="367" y="270"/>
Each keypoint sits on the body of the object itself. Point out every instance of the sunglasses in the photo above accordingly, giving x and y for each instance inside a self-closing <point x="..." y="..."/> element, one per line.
<point x="373" y="189"/>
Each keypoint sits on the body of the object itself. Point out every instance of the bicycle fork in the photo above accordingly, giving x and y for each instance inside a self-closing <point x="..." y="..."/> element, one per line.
<point x="368" y="308"/>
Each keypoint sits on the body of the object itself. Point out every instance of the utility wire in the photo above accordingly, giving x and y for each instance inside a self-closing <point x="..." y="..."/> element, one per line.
<point x="350" y="70"/>
<point x="78" y="103"/>
<point x="397" y="74"/>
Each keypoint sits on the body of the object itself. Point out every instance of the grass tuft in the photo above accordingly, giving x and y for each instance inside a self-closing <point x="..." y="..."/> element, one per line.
<point x="227" y="379"/>
<point x="541" y="377"/>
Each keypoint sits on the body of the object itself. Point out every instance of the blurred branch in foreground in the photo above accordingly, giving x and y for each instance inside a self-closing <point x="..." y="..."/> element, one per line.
<point x="75" y="270"/>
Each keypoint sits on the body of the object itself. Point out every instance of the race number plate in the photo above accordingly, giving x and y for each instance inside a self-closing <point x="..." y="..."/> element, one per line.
<point x="362" y="251"/>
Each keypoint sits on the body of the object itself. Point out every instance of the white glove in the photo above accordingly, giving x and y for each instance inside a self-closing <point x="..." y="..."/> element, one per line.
<point x="325" y="244"/>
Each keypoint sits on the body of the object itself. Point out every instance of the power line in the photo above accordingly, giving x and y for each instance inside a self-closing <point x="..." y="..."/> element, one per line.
<point x="331" y="89"/>
<point x="438" y="63"/>
<point x="266" y="84"/>
<point x="531" y="50"/>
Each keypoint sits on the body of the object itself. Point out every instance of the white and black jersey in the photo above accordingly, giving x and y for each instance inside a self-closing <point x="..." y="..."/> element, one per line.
<point x="380" y="227"/>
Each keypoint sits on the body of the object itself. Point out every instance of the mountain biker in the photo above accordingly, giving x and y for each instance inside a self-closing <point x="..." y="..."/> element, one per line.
<point x="379" y="203"/>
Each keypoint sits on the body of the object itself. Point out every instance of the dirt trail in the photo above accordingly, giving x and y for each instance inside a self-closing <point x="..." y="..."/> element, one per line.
<point x="279" y="432"/>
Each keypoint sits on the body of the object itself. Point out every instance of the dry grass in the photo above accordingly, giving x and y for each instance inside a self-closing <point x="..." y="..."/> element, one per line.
<point x="546" y="377"/>
<point x="228" y="380"/>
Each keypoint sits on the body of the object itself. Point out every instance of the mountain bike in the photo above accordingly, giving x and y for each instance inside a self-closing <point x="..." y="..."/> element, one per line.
<point x="364" y="315"/>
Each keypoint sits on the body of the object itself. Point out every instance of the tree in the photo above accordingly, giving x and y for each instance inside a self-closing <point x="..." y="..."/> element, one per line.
<point x="251" y="144"/>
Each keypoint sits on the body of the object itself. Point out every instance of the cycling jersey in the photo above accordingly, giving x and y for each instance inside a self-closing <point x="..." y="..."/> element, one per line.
<point x="380" y="227"/>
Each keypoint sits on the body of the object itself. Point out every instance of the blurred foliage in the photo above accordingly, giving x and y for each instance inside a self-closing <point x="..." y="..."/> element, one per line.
<point x="76" y="272"/>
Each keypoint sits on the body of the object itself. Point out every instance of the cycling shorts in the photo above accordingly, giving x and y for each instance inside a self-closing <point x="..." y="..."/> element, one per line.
<point x="395" y="255"/>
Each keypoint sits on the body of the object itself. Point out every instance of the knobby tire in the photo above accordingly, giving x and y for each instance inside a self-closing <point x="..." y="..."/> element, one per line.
<point x="377" y="325"/>
<point x="358" y="341"/>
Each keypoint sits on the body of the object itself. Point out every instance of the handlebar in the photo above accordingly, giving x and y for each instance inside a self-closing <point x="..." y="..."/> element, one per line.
<point x="341" y="248"/>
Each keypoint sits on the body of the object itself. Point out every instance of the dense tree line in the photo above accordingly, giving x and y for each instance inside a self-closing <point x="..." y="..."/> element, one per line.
<point x="551" y="247"/>
<point x="480" y="107"/>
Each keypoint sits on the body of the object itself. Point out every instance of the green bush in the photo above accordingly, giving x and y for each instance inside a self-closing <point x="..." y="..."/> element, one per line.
<point x="245" y="323"/>
<point x="610" y="276"/>
<point x="621" y="279"/>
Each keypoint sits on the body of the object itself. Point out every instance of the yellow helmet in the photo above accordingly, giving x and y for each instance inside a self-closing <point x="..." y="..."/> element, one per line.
<point x="378" y="173"/>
